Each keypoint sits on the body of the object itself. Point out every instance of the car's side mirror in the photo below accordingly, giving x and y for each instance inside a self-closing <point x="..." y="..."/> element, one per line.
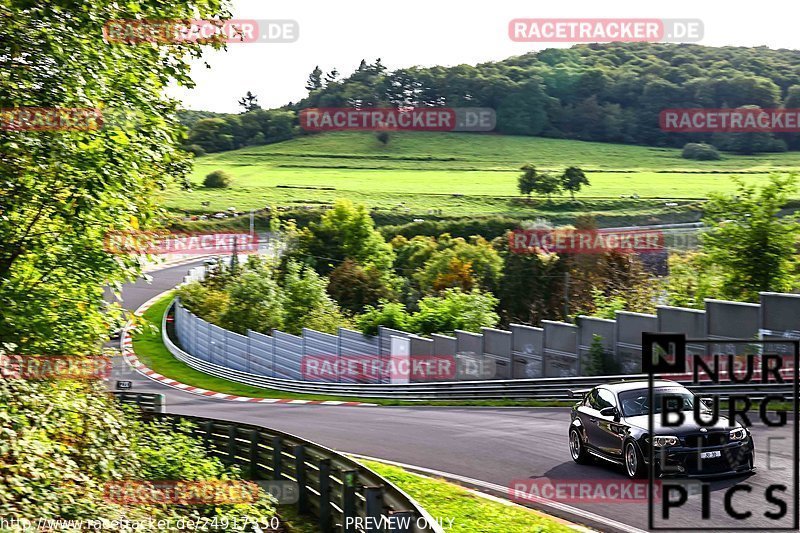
<point x="608" y="411"/>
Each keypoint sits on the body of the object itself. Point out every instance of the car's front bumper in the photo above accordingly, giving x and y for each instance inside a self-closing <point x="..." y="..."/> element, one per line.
<point x="735" y="458"/>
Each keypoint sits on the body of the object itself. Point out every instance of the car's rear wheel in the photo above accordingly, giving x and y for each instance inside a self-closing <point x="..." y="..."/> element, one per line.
<point x="577" y="449"/>
<point x="634" y="462"/>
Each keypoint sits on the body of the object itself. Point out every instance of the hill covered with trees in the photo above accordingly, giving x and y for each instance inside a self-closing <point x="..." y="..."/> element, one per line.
<point x="597" y="92"/>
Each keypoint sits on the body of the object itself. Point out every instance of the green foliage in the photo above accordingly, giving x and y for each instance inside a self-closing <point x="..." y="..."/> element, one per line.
<point x="255" y="126"/>
<point x="700" y="152"/>
<point x="454" y="309"/>
<point x="219" y="179"/>
<point x="607" y="305"/>
<point x="388" y="314"/>
<point x="355" y="287"/>
<point x="63" y="191"/>
<point x="344" y="232"/>
<point x="753" y="247"/>
<point x="196" y="150"/>
<point x="526" y="183"/>
<point x="692" y="278"/>
<point x="547" y="185"/>
<point x="306" y="302"/>
<point x="573" y="179"/>
<point x="597" y="358"/>
<point x="62" y="441"/>
<point x="256" y="302"/>
<point x="457" y="263"/>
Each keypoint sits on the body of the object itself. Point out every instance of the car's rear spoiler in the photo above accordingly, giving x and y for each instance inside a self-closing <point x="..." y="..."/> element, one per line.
<point x="574" y="393"/>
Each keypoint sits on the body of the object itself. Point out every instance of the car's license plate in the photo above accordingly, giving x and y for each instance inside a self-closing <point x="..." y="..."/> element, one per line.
<point x="710" y="455"/>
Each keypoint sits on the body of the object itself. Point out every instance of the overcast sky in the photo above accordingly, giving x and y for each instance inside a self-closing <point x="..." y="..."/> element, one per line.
<point x="435" y="32"/>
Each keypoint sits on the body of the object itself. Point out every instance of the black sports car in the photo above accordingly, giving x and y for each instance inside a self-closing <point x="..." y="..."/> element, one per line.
<point x="611" y="423"/>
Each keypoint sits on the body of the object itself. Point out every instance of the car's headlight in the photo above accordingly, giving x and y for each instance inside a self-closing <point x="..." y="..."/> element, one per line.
<point x="663" y="442"/>
<point x="738" y="434"/>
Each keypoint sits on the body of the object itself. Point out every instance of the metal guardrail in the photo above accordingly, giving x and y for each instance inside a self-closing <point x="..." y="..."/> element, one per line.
<point x="519" y="389"/>
<point x="147" y="401"/>
<point x="330" y="486"/>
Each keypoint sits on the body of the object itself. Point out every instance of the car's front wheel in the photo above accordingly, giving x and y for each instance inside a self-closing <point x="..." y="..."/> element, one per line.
<point x="577" y="449"/>
<point x="634" y="462"/>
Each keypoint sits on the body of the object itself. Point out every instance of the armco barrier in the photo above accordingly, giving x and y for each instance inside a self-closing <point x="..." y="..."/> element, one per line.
<point x="537" y="389"/>
<point x="330" y="486"/>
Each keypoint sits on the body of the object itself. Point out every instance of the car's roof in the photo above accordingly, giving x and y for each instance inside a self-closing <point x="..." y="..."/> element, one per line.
<point x="620" y="386"/>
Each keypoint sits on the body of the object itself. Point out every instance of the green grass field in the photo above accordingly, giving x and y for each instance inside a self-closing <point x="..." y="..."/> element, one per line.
<point x="461" y="174"/>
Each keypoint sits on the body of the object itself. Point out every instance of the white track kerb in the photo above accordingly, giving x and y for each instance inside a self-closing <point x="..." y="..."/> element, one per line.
<point x="129" y="356"/>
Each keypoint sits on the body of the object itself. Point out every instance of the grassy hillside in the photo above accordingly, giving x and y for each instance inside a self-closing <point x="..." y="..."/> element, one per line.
<point x="461" y="174"/>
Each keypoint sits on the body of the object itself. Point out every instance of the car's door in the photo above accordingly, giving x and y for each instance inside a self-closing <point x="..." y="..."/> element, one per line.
<point x="589" y="414"/>
<point x="609" y="428"/>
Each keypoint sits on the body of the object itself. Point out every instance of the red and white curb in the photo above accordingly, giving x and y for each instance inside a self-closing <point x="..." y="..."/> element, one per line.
<point x="129" y="356"/>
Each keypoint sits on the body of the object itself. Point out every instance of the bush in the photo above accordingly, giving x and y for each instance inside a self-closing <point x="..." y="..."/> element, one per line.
<point x="700" y="152"/>
<point x="219" y="179"/>
<point x="196" y="149"/>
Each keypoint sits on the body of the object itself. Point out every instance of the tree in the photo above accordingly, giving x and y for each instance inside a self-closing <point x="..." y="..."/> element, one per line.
<point x="256" y="302"/>
<point x="314" y="80"/>
<point x="344" y="232"/>
<point x="753" y="246"/>
<point x="355" y="287"/>
<point x="219" y="179"/>
<point x="332" y="76"/>
<point x="597" y="358"/>
<point x="64" y="191"/>
<point x="304" y="297"/>
<point x="573" y="179"/>
<point x="388" y="314"/>
<point x="547" y="184"/>
<point x="383" y="137"/>
<point x="249" y="102"/>
<point x="454" y="309"/>
<point x="527" y="180"/>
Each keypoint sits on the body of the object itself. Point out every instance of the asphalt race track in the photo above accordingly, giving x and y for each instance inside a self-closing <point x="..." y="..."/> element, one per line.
<point x="493" y="445"/>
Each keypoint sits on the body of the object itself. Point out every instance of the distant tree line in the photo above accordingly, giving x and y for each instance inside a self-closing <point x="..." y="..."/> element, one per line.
<point x="598" y="92"/>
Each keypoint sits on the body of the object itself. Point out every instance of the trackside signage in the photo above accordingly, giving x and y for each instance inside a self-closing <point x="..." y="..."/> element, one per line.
<point x="527" y="241"/>
<point x="747" y="434"/>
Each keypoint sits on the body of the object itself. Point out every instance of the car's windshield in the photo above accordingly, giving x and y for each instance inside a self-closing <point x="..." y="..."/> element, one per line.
<point x="637" y="402"/>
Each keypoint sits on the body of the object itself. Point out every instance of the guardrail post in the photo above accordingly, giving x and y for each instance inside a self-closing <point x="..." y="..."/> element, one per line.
<point x="232" y="443"/>
<point x="349" y="478"/>
<point x="207" y="434"/>
<point x="325" y="495"/>
<point x="277" y="458"/>
<point x="253" y="455"/>
<point x="374" y="498"/>
<point x="300" y="473"/>
<point x="403" y="521"/>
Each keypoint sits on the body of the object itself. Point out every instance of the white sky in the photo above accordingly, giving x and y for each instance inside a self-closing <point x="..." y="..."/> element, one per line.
<point x="436" y="32"/>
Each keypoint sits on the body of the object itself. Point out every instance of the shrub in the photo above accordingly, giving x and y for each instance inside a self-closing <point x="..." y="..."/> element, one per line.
<point x="219" y="179"/>
<point x="390" y="315"/>
<point x="700" y="152"/>
<point x="196" y="149"/>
